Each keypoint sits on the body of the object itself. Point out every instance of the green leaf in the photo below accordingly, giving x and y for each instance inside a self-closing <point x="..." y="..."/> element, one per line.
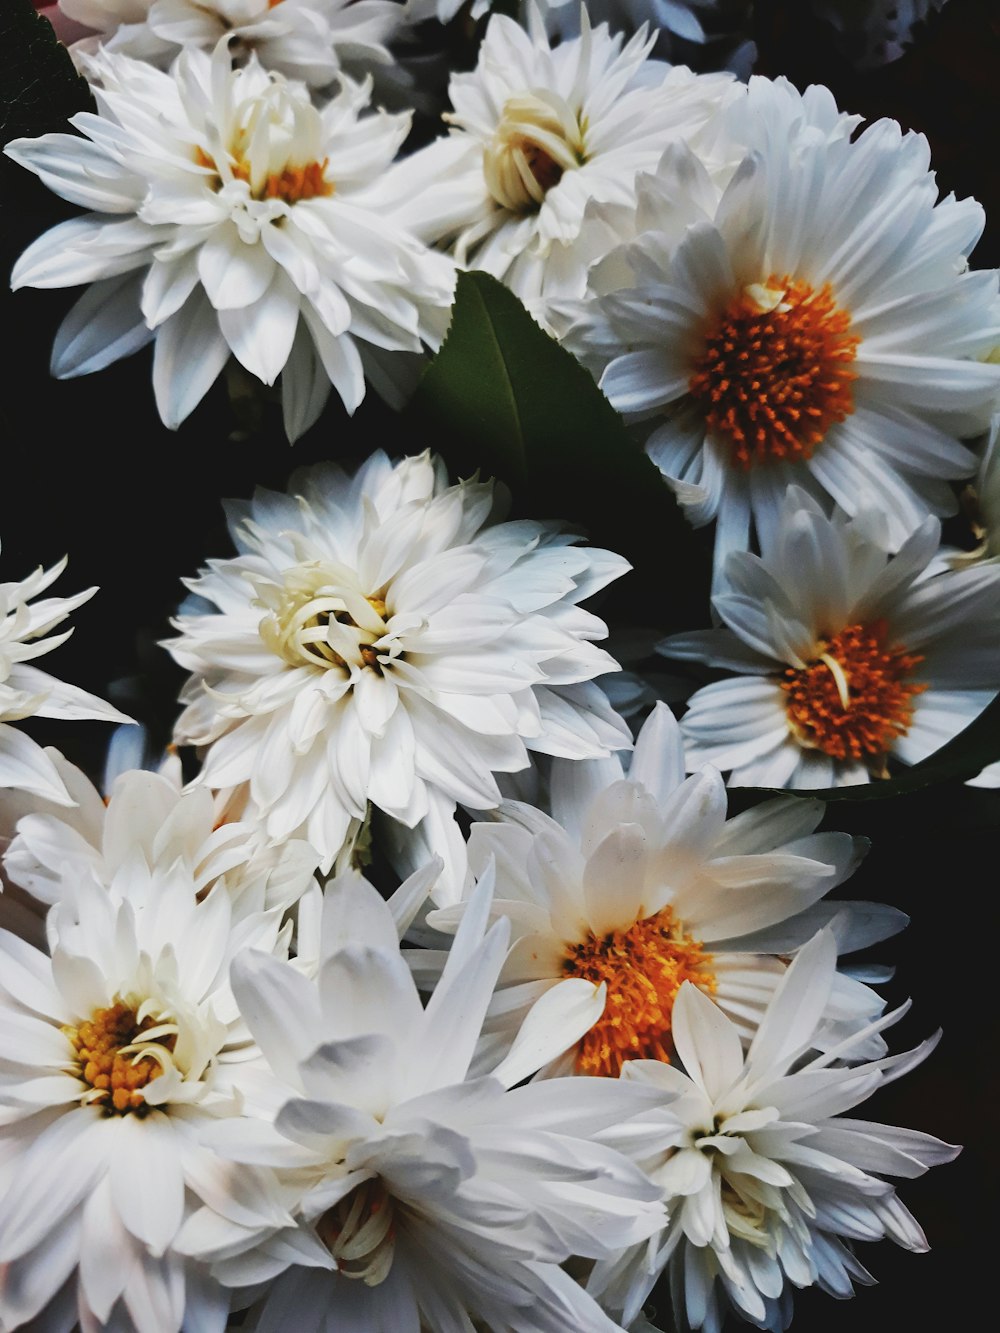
<point x="503" y="398"/>
<point x="963" y="757"/>
<point x="39" y="86"/>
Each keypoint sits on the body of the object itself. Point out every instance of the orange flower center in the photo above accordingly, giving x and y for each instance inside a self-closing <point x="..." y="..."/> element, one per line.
<point x="292" y="185"/>
<point x="112" y="1060"/>
<point x="774" y="373"/>
<point x="854" y="700"/>
<point x="643" y="967"/>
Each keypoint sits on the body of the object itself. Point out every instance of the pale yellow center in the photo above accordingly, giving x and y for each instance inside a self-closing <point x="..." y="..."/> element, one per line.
<point x="537" y="140"/>
<point x="360" y="1233"/>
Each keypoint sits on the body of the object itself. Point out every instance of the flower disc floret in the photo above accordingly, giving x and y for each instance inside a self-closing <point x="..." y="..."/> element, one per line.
<point x="775" y="372"/>
<point x="120" y="1050"/>
<point x="643" y="968"/>
<point x="855" y="700"/>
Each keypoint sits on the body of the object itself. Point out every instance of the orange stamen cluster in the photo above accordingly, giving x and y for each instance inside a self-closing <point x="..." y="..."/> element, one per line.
<point x="643" y="968"/>
<point x="772" y="381"/>
<point x="856" y="664"/>
<point x="117" y="1077"/>
<point x="292" y="185"/>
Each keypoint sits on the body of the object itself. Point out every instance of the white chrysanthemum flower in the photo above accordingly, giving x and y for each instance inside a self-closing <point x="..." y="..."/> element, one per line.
<point x="641" y="883"/>
<point x="148" y="817"/>
<point x="820" y="327"/>
<point x="766" y="1182"/>
<point x="847" y="656"/>
<point x="537" y="133"/>
<point x="426" y="1196"/>
<point x="379" y="640"/>
<point x="116" y="1057"/>
<point x="310" y="40"/>
<point x="230" y="218"/>
<point x="27" y="691"/>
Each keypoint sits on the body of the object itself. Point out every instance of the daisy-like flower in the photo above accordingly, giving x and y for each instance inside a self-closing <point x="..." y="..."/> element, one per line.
<point x="229" y="219"/>
<point x="379" y="640"/>
<point x="537" y="132"/>
<point x="847" y="656"/>
<point x="115" y="1055"/>
<point x="303" y="39"/>
<point x="147" y="817"/>
<point x="767" y="1183"/>
<point x="820" y="327"/>
<point x="427" y="1197"/>
<point x="27" y="691"/>
<point x="640" y="883"/>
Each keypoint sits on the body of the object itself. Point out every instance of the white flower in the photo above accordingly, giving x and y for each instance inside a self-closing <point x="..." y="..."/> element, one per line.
<point x="426" y="1197"/>
<point x="766" y="1182"/>
<point x="641" y="883"/>
<point x="303" y="39"/>
<point x="820" y="327"/>
<point x="148" y="818"/>
<point x="116" y="1055"/>
<point x="230" y="219"/>
<point x="847" y="656"/>
<point x="378" y="640"/>
<point x="538" y="132"/>
<point x="27" y="691"/>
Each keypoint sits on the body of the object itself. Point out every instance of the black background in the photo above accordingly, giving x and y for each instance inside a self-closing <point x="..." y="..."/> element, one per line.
<point x="89" y="470"/>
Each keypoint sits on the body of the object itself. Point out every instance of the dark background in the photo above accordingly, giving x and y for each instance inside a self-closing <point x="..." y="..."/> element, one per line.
<point x="89" y="470"/>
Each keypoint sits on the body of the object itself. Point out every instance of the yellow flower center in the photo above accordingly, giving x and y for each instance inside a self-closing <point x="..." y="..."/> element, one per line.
<point x="774" y="372"/>
<point x="854" y="700"/>
<point x="538" y="138"/>
<point x="119" y="1053"/>
<point x="643" y="968"/>
<point x="360" y="1233"/>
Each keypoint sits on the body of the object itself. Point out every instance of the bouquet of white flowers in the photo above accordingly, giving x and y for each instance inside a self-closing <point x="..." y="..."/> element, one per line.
<point x="482" y="914"/>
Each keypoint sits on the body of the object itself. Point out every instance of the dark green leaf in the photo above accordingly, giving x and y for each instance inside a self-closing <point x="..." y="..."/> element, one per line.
<point x="504" y="398"/>
<point x="39" y="86"/>
<point x="963" y="757"/>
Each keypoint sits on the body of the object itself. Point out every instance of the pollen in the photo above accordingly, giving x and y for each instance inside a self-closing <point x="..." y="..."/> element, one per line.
<point x="293" y="184"/>
<point x="775" y="372"/>
<point x="856" y="698"/>
<point x="119" y="1054"/>
<point x="643" y="968"/>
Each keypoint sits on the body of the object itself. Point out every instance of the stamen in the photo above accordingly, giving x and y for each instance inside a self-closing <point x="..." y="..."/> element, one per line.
<point x="643" y="968"/>
<point x="119" y="1053"/>
<point x="853" y="701"/>
<point x="774" y="373"/>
